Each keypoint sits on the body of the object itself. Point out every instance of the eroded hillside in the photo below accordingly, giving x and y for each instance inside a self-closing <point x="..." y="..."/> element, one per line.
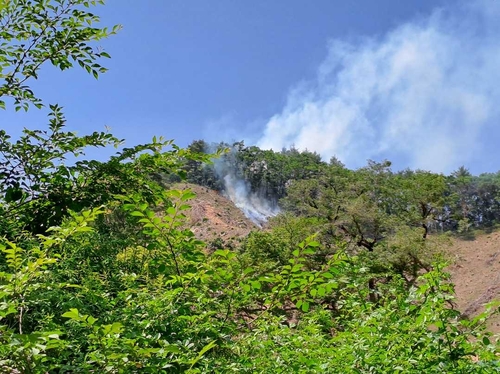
<point x="213" y="217"/>
<point x="475" y="269"/>
<point x="476" y="274"/>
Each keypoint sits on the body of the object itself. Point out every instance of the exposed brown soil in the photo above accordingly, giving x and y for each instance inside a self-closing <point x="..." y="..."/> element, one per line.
<point x="475" y="268"/>
<point x="476" y="274"/>
<point x="212" y="216"/>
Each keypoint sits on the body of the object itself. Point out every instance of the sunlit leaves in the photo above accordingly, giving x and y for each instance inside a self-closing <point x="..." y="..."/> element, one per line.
<point x="61" y="32"/>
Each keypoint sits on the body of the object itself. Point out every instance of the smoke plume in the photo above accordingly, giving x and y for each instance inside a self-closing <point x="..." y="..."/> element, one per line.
<point x="425" y="94"/>
<point x="255" y="206"/>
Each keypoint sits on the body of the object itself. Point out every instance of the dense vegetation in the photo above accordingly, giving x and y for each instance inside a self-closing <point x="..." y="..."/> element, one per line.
<point x="459" y="202"/>
<point x="99" y="273"/>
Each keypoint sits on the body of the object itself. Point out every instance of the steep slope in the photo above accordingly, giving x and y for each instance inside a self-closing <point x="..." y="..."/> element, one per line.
<point x="475" y="269"/>
<point x="214" y="217"/>
<point x="476" y="274"/>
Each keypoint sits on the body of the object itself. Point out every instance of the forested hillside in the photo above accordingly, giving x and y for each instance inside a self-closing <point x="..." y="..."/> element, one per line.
<point x="100" y="271"/>
<point x="300" y="181"/>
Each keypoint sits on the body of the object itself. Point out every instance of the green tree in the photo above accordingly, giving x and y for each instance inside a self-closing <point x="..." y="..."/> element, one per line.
<point x="81" y="297"/>
<point x="461" y="198"/>
<point x="421" y="198"/>
<point x="44" y="173"/>
<point x="385" y="217"/>
<point x="32" y="33"/>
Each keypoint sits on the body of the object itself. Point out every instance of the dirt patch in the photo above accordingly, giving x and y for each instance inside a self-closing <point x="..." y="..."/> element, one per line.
<point x="476" y="274"/>
<point x="475" y="270"/>
<point x="214" y="217"/>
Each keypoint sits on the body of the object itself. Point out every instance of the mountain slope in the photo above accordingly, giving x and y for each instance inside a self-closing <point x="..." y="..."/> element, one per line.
<point x="476" y="274"/>
<point x="475" y="267"/>
<point x="214" y="217"/>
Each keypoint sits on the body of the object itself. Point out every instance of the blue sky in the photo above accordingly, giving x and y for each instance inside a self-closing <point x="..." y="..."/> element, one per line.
<point x="416" y="81"/>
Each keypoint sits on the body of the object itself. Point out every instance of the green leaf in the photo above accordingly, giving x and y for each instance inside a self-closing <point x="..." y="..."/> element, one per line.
<point x="188" y="195"/>
<point x="137" y="213"/>
<point x="296" y="268"/>
<point x="327" y="275"/>
<point x="256" y="285"/>
<point x="305" y="306"/>
<point x="116" y="328"/>
<point x="204" y="350"/>
<point x="174" y="193"/>
<point x="72" y="314"/>
<point x="172" y="348"/>
<point x="221" y="252"/>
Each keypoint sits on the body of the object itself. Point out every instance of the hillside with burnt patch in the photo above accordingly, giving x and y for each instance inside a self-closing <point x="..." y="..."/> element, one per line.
<point x="474" y="268"/>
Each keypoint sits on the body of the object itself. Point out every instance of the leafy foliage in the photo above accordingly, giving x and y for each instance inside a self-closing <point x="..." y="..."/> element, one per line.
<point x="98" y="272"/>
<point x="35" y="32"/>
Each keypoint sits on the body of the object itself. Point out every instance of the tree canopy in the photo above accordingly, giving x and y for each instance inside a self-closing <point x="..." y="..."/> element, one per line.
<point x="99" y="271"/>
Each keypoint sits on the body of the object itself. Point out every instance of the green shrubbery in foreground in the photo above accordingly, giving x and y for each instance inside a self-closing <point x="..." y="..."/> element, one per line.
<point x="98" y="273"/>
<point x="148" y="299"/>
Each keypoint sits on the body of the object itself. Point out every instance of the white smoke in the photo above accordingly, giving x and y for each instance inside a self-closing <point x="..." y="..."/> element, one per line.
<point x="425" y="94"/>
<point x="255" y="208"/>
